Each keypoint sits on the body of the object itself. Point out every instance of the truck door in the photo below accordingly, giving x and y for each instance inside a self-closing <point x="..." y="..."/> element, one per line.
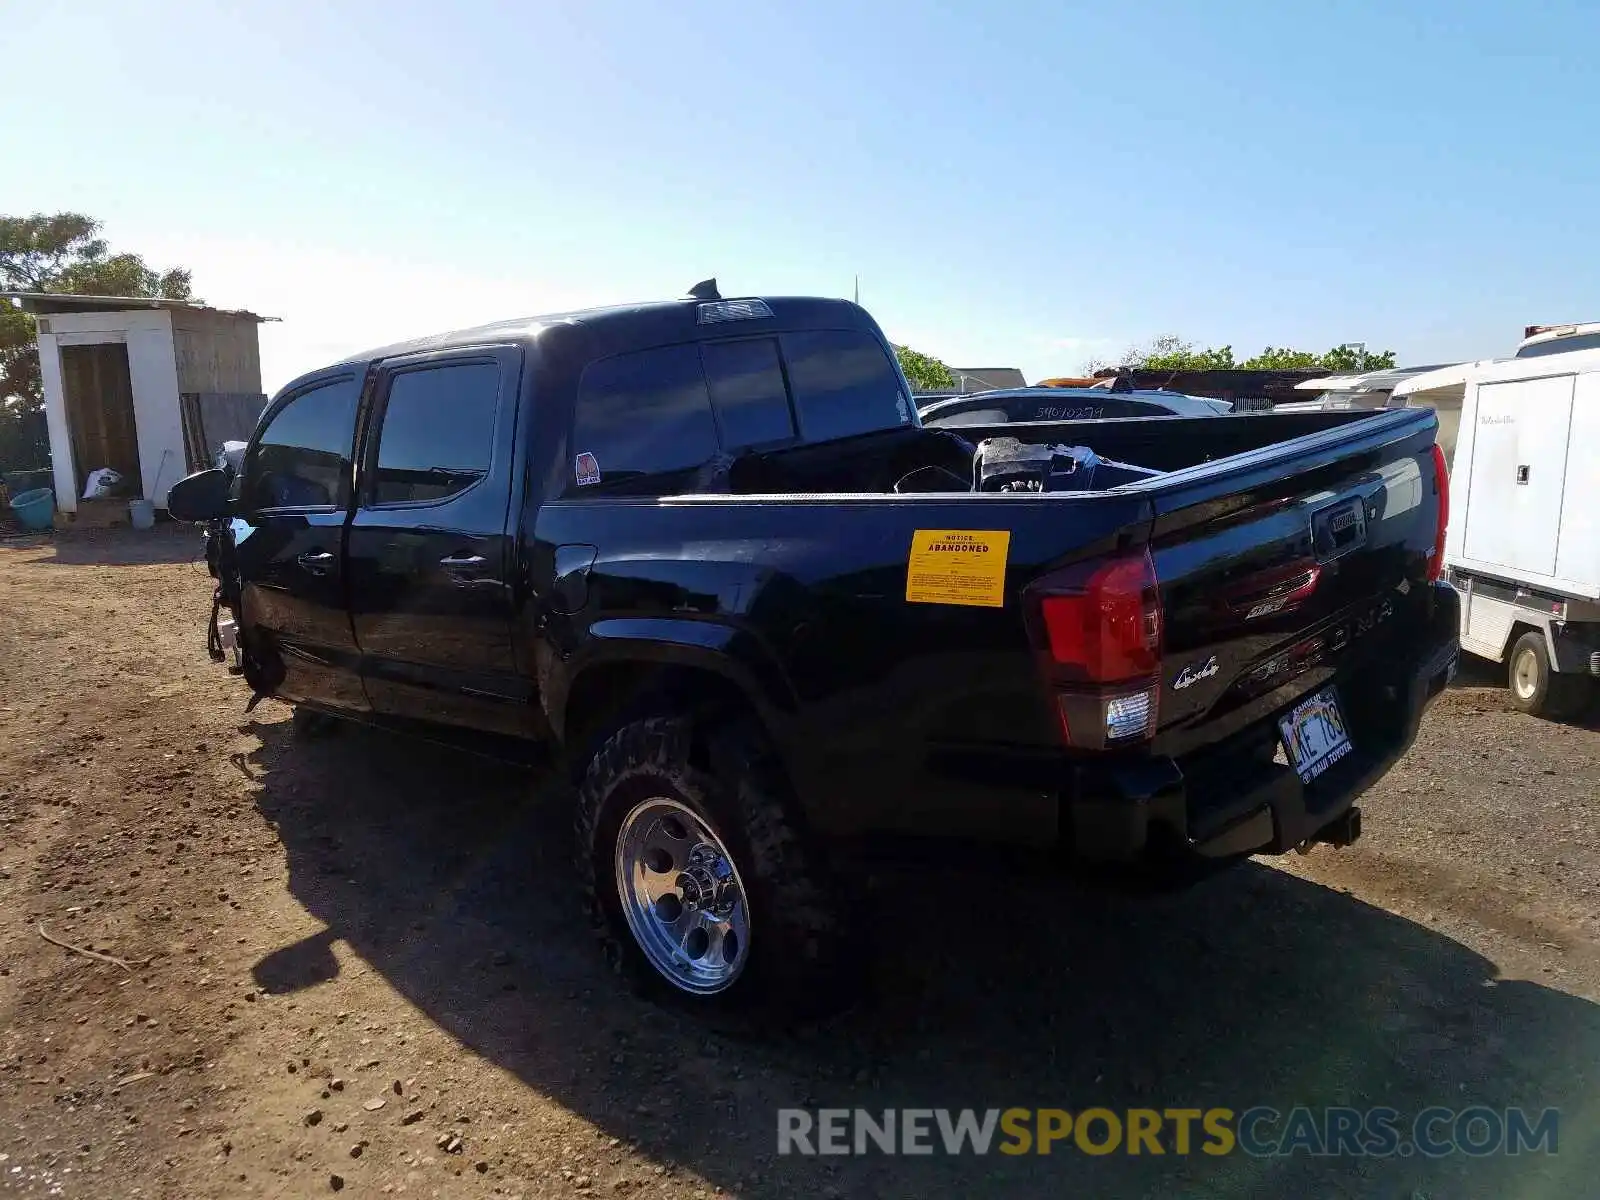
<point x="295" y="497"/>
<point x="431" y="552"/>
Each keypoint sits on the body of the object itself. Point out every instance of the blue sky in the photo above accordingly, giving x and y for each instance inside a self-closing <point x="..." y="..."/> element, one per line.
<point x="1028" y="185"/>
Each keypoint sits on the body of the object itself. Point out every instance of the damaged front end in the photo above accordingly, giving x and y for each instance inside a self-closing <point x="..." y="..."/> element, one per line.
<point x="227" y="639"/>
<point x="222" y="631"/>
<point x="209" y="499"/>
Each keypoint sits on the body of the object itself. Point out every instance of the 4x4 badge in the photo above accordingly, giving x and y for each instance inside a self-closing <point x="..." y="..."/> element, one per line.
<point x="1194" y="673"/>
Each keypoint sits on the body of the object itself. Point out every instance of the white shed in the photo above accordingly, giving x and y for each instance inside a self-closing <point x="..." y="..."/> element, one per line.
<point x="148" y="387"/>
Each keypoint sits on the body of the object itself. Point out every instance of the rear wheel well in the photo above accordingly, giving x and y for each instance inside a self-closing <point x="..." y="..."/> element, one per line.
<point x="610" y="695"/>
<point x="1514" y="635"/>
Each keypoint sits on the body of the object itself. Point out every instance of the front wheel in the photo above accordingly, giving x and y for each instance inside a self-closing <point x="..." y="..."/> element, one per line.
<point x="700" y="883"/>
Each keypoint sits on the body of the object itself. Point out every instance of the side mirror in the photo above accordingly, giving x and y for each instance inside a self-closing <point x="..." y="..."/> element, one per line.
<point x="200" y="497"/>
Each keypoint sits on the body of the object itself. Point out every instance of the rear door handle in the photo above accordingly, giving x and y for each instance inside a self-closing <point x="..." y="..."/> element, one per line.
<point x="315" y="562"/>
<point x="466" y="571"/>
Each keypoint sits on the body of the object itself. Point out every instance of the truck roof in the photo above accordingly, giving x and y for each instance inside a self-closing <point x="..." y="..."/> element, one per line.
<point x="1539" y="340"/>
<point x="617" y="328"/>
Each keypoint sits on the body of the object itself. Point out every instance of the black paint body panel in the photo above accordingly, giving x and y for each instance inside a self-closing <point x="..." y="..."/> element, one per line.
<point x="891" y="716"/>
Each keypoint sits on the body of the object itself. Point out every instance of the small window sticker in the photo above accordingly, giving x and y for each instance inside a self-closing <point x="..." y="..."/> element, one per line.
<point x="587" y="468"/>
<point x="903" y="409"/>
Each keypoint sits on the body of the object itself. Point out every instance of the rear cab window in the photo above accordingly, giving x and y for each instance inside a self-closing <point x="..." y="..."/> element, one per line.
<point x="748" y="396"/>
<point x="644" y="422"/>
<point x="642" y="419"/>
<point x="843" y="384"/>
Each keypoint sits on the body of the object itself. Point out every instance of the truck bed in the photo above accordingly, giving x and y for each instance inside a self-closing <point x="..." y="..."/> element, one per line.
<point x="939" y="715"/>
<point x="877" y="463"/>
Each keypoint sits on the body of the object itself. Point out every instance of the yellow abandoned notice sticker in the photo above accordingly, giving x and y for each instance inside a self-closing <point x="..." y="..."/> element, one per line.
<point x="958" y="566"/>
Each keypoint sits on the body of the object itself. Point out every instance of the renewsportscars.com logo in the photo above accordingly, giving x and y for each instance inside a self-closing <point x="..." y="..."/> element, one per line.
<point x="1259" y="1132"/>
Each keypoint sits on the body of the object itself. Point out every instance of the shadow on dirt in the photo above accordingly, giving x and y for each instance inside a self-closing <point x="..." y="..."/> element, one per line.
<point x="1479" y="673"/>
<point x="1475" y="672"/>
<point x="1257" y="988"/>
<point x="166" y="543"/>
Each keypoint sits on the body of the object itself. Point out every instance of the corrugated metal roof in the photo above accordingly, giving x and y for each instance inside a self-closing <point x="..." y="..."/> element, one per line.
<point x="1450" y="379"/>
<point x="991" y="377"/>
<point x="65" y="302"/>
<point x="1233" y="383"/>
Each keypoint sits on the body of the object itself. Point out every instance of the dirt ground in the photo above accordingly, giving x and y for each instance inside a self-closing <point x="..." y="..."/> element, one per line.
<point x="357" y="963"/>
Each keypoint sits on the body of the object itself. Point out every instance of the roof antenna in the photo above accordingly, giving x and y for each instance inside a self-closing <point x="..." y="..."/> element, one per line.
<point x="706" y="289"/>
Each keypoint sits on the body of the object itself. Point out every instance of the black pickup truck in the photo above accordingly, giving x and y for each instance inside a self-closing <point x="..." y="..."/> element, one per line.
<point x="706" y="547"/>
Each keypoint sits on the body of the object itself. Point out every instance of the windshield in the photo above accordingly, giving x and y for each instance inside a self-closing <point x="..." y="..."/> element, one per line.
<point x="1561" y="345"/>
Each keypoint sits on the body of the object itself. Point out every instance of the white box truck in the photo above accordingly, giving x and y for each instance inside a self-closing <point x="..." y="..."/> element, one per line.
<point x="1523" y="546"/>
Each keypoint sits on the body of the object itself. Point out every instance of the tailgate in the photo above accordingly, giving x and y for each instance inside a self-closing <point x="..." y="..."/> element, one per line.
<point x="1280" y="566"/>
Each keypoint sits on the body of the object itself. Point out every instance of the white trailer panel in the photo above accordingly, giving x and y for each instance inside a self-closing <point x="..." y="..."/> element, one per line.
<point x="1579" y="553"/>
<point x="1538" y="421"/>
<point x="1486" y="626"/>
<point x="1519" y="466"/>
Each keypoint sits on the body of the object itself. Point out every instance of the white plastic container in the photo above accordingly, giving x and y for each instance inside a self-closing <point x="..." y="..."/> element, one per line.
<point x="142" y="513"/>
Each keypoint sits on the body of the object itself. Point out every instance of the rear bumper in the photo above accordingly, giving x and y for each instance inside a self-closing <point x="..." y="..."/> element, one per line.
<point x="1234" y="800"/>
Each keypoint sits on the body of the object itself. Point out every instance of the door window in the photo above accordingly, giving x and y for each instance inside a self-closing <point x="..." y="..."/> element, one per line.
<point x="437" y="436"/>
<point x="302" y="458"/>
<point x="747" y="392"/>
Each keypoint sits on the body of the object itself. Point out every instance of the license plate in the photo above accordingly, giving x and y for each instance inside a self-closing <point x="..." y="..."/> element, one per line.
<point x="1314" y="735"/>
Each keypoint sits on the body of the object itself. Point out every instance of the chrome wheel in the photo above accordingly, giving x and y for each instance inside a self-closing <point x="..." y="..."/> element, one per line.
<point x="1525" y="675"/>
<point x="682" y="896"/>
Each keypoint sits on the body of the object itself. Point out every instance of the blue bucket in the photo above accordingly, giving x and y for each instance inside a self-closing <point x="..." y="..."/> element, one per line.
<point x="35" y="509"/>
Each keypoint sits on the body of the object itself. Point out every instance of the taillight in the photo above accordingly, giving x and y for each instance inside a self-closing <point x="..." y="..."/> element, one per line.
<point x="1099" y="629"/>
<point x="1109" y="624"/>
<point x="1441" y="483"/>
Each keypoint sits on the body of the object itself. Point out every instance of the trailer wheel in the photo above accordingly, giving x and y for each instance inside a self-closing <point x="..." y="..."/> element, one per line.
<point x="1537" y="688"/>
<point x="701" y="886"/>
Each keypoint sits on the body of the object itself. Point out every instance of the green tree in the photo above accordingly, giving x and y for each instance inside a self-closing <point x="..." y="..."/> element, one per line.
<point x="1341" y="359"/>
<point x="1347" y="361"/>
<point x="1281" y="358"/>
<point x="59" y="252"/>
<point x="1171" y="353"/>
<point x="924" y="372"/>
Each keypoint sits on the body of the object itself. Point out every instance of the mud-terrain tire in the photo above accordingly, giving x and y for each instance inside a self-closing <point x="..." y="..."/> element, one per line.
<point x="723" y="788"/>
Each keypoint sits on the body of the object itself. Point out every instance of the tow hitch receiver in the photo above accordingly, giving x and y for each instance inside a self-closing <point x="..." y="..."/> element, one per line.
<point x="1342" y="831"/>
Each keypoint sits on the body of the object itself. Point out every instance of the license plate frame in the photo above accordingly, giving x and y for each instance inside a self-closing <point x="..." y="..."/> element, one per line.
<point x="1315" y="734"/>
